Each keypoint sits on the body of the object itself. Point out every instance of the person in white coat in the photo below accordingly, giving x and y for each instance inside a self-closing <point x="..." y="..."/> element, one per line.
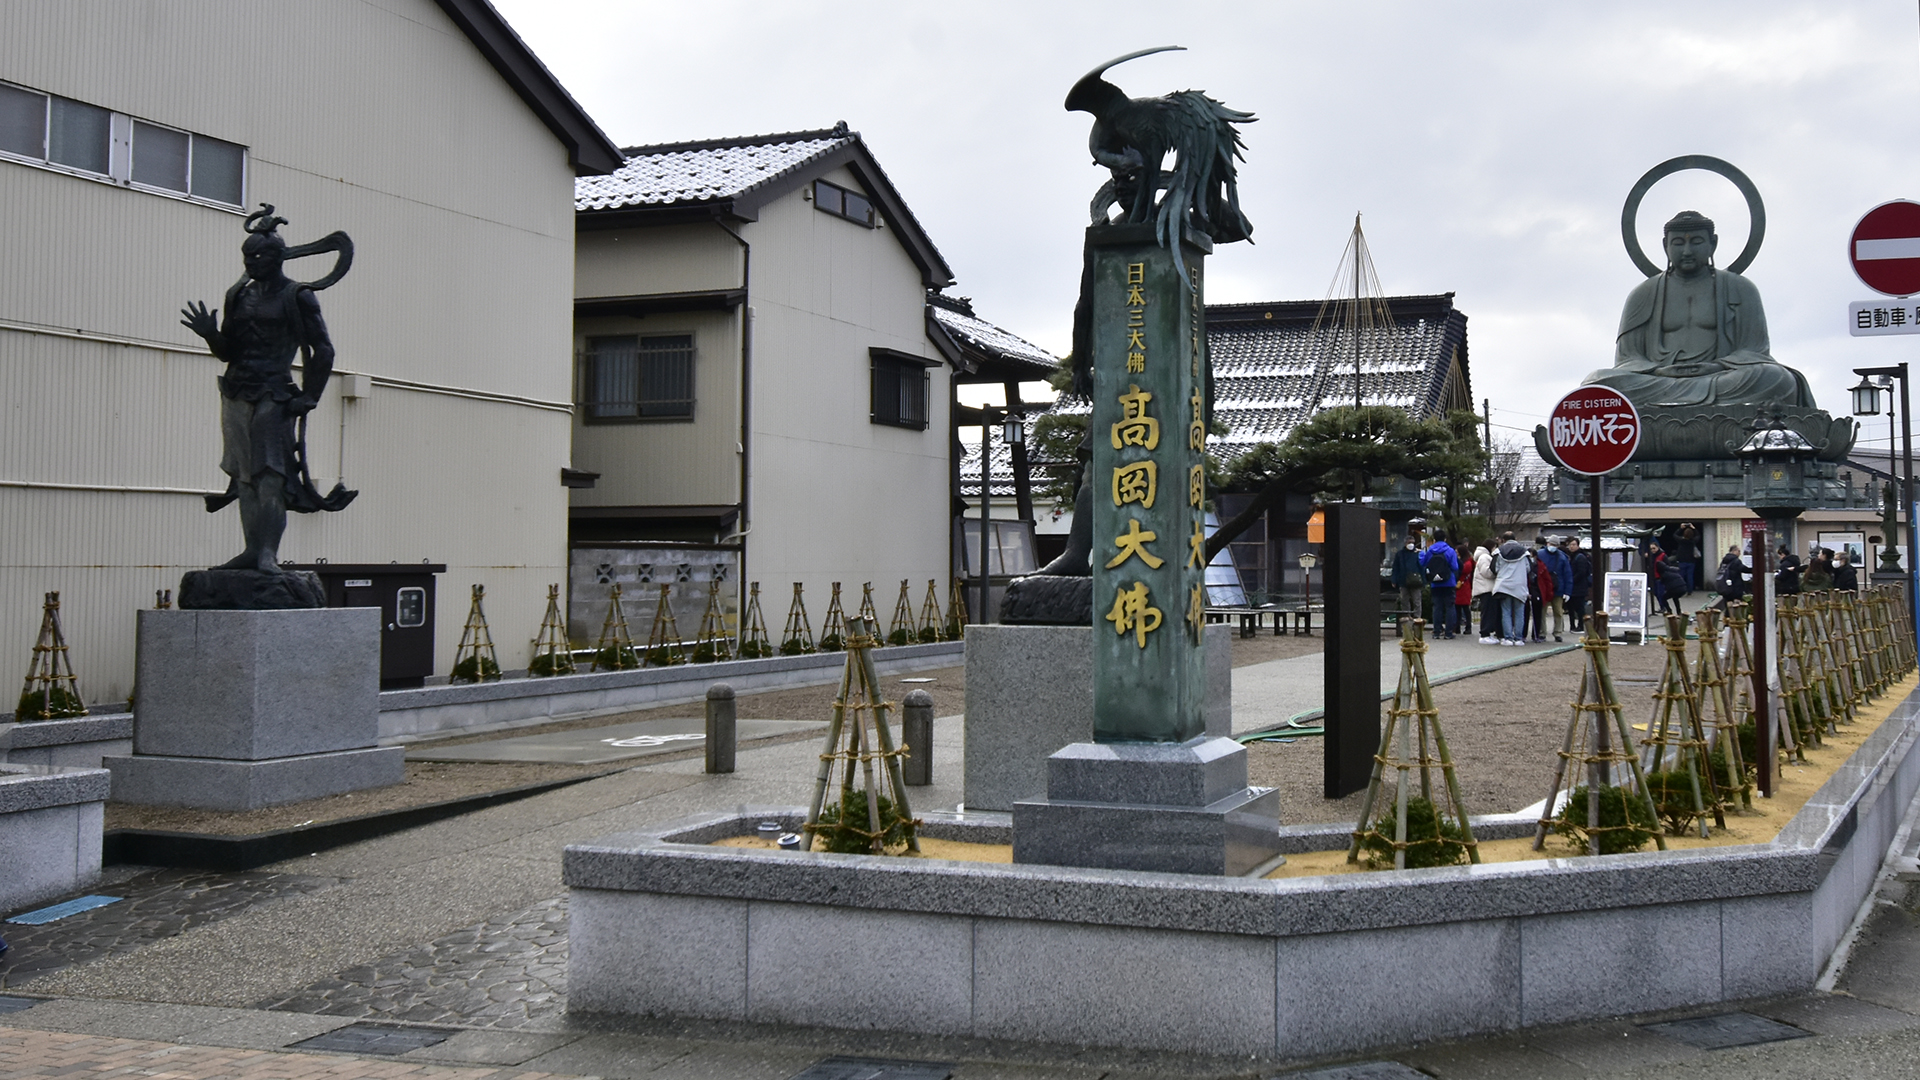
<point x="1483" y="593"/>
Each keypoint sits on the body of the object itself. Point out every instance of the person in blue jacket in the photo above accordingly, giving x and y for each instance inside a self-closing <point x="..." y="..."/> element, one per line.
<point x="1561" y="568"/>
<point x="1442" y="569"/>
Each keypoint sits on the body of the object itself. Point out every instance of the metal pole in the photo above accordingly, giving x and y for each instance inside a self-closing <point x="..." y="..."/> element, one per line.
<point x="1353" y="315"/>
<point x="986" y="512"/>
<point x="1764" y="758"/>
<point x="1906" y="490"/>
<point x="1593" y="556"/>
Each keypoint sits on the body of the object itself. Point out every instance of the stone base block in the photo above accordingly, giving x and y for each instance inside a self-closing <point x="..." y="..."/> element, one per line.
<point x="51" y="822"/>
<point x="1182" y="808"/>
<point x="251" y="590"/>
<point x="254" y="685"/>
<point x="1030" y="692"/>
<point x="219" y="784"/>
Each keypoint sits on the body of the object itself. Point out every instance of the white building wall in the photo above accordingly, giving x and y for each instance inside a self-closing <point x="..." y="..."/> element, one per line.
<point x="380" y="119"/>
<point x="835" y="497"/>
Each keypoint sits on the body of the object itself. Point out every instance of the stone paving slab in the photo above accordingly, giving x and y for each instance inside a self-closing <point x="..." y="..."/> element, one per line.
<point x="615" y="742"/>
<point x="37" y="1055"/>
<point x="156" y="904"/>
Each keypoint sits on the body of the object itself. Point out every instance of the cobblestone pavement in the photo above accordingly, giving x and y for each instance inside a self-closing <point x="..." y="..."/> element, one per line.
<point x="509" y="972"/>
<point x="156" y="904"/>
<point x="33" y="1055"/>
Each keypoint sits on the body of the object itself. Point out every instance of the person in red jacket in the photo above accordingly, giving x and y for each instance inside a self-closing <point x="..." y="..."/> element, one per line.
<point x="1463" y="596"/>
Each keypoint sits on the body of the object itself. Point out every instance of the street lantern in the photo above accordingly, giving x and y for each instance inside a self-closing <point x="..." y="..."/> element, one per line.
<point x="1866" y="398"/>
<point x="1014" y="431"/>
<point x="1774" y="459"/>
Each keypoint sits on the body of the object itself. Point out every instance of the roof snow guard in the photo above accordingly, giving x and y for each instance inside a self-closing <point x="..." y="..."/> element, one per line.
<point x="734" y="178"/>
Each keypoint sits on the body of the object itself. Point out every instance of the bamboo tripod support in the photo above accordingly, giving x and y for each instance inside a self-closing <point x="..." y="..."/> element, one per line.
<point x="552" y="653"/>
<point x="713" y="643"/>
<point x="1716" y="706"/>
<point x="753" y="628"/>
<point x="475" y="652"/>
<point x="1682" y="742"/>
<point x="833" y="628"/>
<point x="1599" y="741"/>
<point x="1794" y="686"/>
<point x="1813" y="663"/>
<point x="957" y="614"/>
<point x="902" y="630"/>
<point x="52" y="690"/>
<point x="1740" y="678"/>
<point x="615" y="649"/>
<point x="867" y="612"/>
<point x="930" y="615"/>
<point x="1411" y="720"/>
<point x="1818" y="609"/>
<point x="857" y="735"/>
<point x="797" y="638"/>
<point x="1866" y="680"/>
<point x="663" y="640"/>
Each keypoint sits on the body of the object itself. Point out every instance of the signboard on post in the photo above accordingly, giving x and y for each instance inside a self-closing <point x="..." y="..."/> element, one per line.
<point x="1885" y="248"/>
<point x="1593" y="431"/>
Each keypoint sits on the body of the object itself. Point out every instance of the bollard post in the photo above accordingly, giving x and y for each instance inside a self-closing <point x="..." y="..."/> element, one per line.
<point x="916" y="733"/>
<point x="721" y="728"/>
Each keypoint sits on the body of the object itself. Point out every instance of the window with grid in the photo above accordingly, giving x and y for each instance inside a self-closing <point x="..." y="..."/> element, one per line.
<point x="838" y="201"/>
<point x="629" y="377"/>
<point x="74" y="136"/>
<point x="899" y="392"/>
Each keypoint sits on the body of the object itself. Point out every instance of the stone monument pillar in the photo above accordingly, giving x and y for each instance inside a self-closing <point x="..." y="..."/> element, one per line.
<point x="1152" y="791"/>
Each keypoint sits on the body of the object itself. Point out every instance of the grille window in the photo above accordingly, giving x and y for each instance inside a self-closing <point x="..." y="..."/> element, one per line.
<point x="899" y="392"/>
<point x="638" y="378"/>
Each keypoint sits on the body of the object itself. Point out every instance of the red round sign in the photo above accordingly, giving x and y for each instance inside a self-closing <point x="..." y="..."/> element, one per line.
<point x="1885" y="248"/>
<point x="1594" y="430"/>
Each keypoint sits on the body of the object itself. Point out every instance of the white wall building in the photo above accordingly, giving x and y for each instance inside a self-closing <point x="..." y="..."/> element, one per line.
<point x="760" y="389"/>
<point x="134" y="134"/>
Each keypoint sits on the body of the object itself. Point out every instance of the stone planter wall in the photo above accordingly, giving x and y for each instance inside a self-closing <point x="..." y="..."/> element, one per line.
<point x="51" y="819"/>
<point x="664" y="924"/>
<point x="81" y="741"/>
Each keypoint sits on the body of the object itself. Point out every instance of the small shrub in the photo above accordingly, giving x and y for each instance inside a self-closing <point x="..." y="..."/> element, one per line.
<point x="1617" y="806"/>
<point x="709" y="651"/>
<point x="831" y="643"/>
<point x="852" y="839"/>
<point x="901" y="636"/>
<point x="793" y="646"/>
<point x="757" y="650"/>
<point x="546" y="665"/>
<point x="1672" y="792"/>
<point x="1431" y="839"/>
<point x="665" y="656"/>
<point x="54" y="703"/>
<point x="614" y="658"/>
<point x="928" y="635"/>
<point x="476" y="668"/>
<point x="955" y="631"/>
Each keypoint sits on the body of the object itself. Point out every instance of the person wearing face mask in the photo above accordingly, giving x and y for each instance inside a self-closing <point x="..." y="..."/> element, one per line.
<point x="1442" y="567"/>
<point x="1408" y="578"/>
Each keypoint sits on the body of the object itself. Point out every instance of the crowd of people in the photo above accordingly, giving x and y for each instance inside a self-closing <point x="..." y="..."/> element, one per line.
<point x="1517" y="589"/>
<point x="1526" y="593"/>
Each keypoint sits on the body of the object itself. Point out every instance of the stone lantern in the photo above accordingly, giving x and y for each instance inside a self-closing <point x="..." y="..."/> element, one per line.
<point x="1774" y="461"/>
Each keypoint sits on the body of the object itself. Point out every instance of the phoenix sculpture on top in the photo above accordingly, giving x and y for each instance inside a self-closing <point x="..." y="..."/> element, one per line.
<point x="1197" y="193"/>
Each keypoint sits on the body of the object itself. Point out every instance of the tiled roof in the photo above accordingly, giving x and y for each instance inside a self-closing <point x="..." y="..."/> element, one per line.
<point x="1272" y="370"/>
<point x="955" y="315"/>
<point x="704" y="171"/>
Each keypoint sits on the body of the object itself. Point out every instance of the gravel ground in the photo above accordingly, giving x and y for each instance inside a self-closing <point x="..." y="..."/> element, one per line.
<point x="1503" y="728"/>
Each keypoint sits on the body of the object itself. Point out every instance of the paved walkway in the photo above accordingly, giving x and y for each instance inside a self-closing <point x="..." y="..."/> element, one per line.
<point x="453" y="938"/>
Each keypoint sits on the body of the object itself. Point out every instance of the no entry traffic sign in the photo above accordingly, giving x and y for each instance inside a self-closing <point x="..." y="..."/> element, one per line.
<point x="1885" y="248"/>
<point x="1594" y="430"/>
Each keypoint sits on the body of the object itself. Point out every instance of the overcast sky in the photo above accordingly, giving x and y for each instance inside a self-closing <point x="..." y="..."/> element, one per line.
<point x="1489" y="145"/>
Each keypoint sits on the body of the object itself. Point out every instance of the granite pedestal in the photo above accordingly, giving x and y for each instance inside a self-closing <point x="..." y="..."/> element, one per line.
<point x="51" y="821"/>
<point x="1030" y="692"/>
<point x="236" y="710"/>
<point x="1182" y="808"/>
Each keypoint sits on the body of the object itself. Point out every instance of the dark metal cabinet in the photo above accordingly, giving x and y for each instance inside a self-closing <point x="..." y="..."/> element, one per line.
<point x="404" y="593"/>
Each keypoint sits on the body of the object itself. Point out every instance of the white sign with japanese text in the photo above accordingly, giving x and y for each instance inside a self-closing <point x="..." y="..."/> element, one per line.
<point x="1876" y="318"/>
